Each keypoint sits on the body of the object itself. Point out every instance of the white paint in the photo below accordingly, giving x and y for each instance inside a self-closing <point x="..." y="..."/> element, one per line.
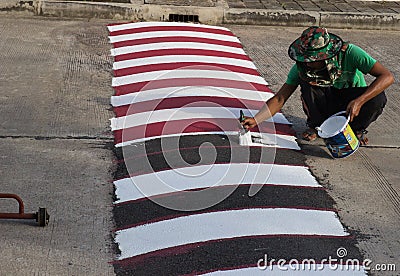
<point x="159" y="34"/>
<point x="224" y="225"/>
<point x="175" y="45"/>
<point x="186" y="73"/>
<point x="120" y="27"/>
<point x="288" y="270"/>
<point x="189" y="91"/>
<point x="215" y="175"/>
<point x="182" y="58"/>
<point x="332" y="126"/>
<point x="183" y="113"/>
<point x="281" y="141"/>
<point x="248" y="138"/>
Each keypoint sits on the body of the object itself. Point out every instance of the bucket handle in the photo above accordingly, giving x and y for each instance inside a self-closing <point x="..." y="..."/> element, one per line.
<point x="340" y="113"/>
<point x="336" y="114"/>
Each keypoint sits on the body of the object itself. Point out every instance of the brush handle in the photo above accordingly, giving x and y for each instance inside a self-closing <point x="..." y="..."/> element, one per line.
<point x="241" y="117"/>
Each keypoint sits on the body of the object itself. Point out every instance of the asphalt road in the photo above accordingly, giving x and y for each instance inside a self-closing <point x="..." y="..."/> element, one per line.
<point x="56" y="145"/>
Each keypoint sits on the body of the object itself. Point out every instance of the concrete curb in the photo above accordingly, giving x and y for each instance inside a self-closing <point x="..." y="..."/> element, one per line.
<point x="219" y="14"/>
<point x="117" y="11"/>
<point x="386" y="21"/>
<point x="377" y="21"/>
<point x="270" y="17"/>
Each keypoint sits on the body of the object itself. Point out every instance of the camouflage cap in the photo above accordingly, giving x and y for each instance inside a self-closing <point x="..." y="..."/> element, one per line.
<point x="315" y="44"/>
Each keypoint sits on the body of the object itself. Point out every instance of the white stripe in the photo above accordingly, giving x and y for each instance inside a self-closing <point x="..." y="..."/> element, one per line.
<point x="186" y="73"/>
<point x="206" y="176"/>
<point x="159" y="34"/>
<point x="175" y="45"/>
<point x="127" y="26"/>
<point x="224" y="225"/>
<point x="182" y="58"/>
<point x="189" y="91"/>
<point x="294" y="269"/>
<point x="282" y="141"/>
<point x="182" y="113"/>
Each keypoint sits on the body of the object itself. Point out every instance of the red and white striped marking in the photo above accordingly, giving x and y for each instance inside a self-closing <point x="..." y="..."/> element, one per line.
<point x="184" y="113"/>
<point x="184" y="60"/>
<point x="178" y="48"/>
<point x="160" y="34"/>
<point x="187" y="91"/>
<point x="158" y="61"/>
<point x="186" y="73"/>
<point x="174" y="79"/>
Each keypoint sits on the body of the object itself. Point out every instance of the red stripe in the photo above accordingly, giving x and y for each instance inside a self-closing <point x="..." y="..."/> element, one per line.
<point x="171" y="28"/>
<point x="176" y="82"/>
<point x="178" y="102"/>
<point x="150" y="40"/>
<point x="194" y="126"/>
<point x="184" y="65"/>
<point x="179" y="51"/>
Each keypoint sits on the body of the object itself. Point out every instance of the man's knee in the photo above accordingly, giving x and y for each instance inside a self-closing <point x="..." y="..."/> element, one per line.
<point x="376" y="104"/>
<point x="369" y="112"/>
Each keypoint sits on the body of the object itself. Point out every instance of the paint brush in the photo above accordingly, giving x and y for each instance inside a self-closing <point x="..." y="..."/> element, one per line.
<point x="244" y="134"/>
<point x="241" y="116"/>
<point x="246" y="138"/>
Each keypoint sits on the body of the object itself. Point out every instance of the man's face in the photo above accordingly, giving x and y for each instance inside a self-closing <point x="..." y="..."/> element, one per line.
<point x="316" y="65"/>
<point x="315" y="73"/>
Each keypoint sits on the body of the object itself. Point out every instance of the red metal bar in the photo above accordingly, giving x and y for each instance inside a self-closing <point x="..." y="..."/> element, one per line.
<point x="17" y="216"/>
<point x="20" y="214"/>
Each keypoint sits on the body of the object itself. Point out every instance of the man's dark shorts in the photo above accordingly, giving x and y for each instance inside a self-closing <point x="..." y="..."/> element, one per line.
<point x="319" y="103"/>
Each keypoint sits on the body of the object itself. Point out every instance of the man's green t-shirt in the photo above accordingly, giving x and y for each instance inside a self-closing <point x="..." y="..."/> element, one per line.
<point x="356" y="62"/>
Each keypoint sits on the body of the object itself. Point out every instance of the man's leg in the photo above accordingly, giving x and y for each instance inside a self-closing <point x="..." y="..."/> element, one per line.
<point x="318" y="103"/>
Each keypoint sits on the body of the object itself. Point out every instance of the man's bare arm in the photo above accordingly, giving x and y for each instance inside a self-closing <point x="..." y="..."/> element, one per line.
<point x="272" y="106"/>
<point x="384" y="79"/>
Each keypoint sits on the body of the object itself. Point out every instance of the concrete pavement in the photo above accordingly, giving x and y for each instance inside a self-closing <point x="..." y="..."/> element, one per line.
<point x="365" y="186"/>
<point x="54" y="153"/>
<point x="334" y="13"/>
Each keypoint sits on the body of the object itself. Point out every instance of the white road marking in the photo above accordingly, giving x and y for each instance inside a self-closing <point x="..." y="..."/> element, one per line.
<point x="224" y="225"/>
<point x="216" y="175"/>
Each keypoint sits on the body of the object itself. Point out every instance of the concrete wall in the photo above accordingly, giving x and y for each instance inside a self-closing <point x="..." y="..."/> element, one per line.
<point x="137" y="10"/>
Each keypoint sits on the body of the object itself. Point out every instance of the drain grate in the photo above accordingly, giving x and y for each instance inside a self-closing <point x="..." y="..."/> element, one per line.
<point x="183" y="18"/>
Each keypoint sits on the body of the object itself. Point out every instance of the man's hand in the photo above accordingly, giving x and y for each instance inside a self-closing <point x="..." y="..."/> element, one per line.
<point x="353" y="109"/>
<point x="249" y="122"/>
<point x="272" y="106"/>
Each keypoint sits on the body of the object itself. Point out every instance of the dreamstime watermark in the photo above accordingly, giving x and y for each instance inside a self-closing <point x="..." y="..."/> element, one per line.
<point x="336" y="263"/>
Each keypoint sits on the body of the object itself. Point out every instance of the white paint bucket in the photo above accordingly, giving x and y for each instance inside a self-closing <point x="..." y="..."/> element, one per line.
<point x="338" y="136"/>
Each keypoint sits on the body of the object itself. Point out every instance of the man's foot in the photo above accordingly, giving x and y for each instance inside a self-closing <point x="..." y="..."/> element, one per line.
<point x="310" y="134"/>
<point x="361" y="135"/>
